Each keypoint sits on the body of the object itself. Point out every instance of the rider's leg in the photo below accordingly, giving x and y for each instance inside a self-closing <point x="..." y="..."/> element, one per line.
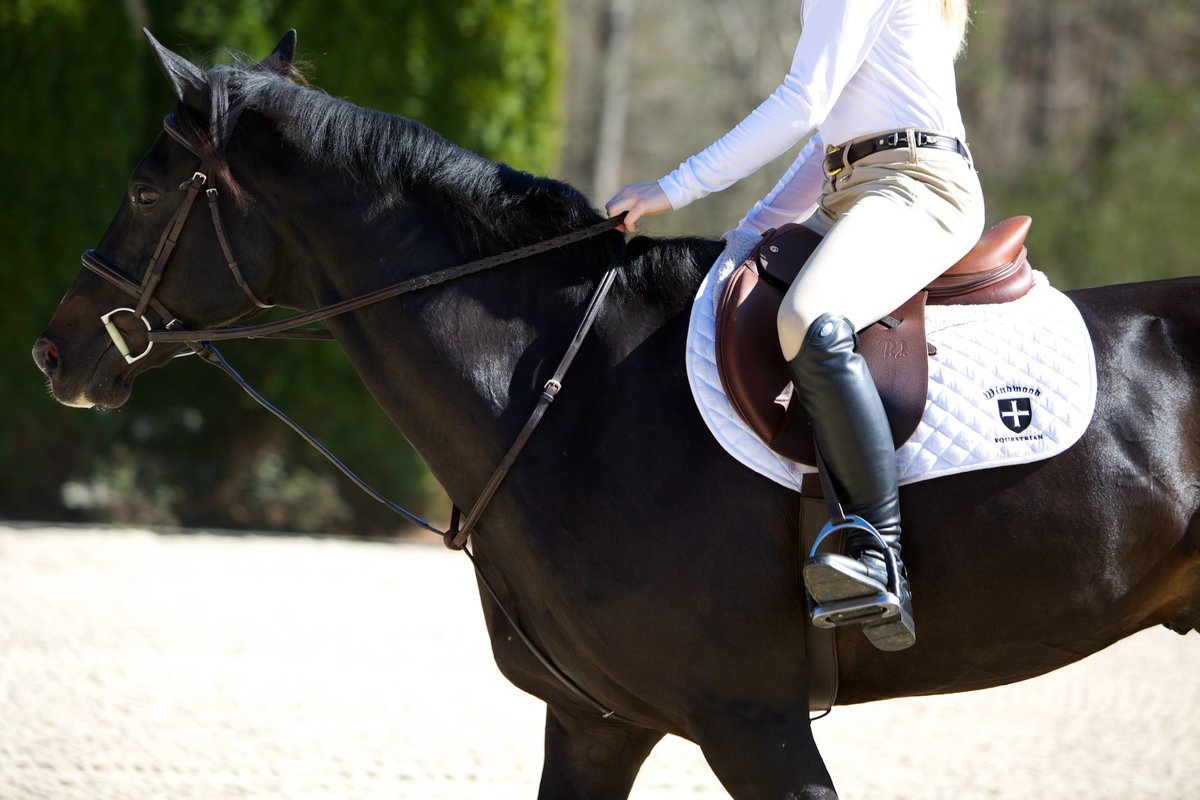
<point x="854" y="438"/>
<point x="886" y="238"/>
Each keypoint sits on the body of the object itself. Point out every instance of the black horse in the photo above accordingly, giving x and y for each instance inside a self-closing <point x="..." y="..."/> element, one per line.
<point x="646" y="562"/>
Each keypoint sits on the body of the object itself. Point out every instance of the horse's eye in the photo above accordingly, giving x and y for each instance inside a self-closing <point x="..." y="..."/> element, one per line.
<point x="144" y="197"/>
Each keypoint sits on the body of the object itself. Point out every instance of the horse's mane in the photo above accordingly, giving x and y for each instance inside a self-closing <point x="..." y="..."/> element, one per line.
<point x="668" y="270"/>
<point x="491" y="207"/>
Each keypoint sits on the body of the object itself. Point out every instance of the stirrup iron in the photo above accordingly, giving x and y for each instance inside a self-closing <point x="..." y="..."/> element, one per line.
<point x="856" y="610"/>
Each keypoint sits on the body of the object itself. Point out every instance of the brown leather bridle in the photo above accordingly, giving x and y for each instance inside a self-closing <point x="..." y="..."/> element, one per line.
<point x="200" y="342"/>
<point x="144" y="291"/>
<point x="289" y="327"/>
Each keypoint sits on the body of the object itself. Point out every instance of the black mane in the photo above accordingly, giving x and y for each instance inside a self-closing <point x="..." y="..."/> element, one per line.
<point x="492" y="207"/>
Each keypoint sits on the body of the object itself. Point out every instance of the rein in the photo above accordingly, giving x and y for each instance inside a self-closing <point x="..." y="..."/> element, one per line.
<point x="456" y="537"/>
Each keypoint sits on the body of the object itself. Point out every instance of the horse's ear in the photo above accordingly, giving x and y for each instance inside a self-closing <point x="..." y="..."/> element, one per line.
<point x="188" y="81"/>
<point x="280" y="60"/>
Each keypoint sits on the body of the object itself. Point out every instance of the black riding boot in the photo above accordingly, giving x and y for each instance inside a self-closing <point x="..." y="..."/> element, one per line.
<point x="852" y="433"/>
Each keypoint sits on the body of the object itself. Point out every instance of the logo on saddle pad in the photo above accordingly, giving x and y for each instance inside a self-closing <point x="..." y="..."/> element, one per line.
<point x="1016" y="413"/>
<point x="1014" y="405"/>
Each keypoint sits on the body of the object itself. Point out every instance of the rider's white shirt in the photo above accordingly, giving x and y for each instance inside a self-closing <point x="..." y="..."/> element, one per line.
<point x="860" y="67"/>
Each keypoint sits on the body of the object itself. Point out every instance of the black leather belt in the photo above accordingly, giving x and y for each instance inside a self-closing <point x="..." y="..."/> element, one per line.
<point x="838" y="158"/>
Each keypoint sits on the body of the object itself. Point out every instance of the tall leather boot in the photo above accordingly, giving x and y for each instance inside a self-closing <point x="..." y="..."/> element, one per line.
<point x="852" y="433"/>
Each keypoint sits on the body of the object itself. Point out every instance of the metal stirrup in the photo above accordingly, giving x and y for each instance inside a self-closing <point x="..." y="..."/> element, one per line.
<point x="854" y="609"/>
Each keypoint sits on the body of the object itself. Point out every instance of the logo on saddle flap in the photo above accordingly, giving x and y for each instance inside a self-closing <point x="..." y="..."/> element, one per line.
<point x="1014" y="405"/>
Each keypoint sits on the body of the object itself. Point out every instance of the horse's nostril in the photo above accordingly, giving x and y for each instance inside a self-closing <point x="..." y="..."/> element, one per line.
<point x="45" y="354"/>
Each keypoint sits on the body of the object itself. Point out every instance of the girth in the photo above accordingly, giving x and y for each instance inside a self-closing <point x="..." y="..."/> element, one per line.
<point x="752" y="369"/>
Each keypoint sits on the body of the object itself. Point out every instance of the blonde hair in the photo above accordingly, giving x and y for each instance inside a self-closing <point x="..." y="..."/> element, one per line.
<point x="954" y="12"/>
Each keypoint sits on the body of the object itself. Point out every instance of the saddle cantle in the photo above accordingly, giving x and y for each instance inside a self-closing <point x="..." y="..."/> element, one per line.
<point x="752" y="369"/>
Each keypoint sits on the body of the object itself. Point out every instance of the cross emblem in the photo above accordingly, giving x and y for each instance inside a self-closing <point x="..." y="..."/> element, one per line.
<point x="1016" y="413"/>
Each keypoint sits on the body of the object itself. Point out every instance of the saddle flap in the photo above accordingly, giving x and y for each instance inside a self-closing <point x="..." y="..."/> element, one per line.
<point x="756" y="378"/>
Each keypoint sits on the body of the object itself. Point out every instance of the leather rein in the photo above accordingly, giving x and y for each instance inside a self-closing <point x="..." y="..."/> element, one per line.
<point x="199" y="341"/>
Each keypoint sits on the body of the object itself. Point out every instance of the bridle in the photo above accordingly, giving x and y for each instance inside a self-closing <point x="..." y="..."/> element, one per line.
<point x="199" y="342"/>
<point x="144" y="292"/>
<point x="290" y="327"/>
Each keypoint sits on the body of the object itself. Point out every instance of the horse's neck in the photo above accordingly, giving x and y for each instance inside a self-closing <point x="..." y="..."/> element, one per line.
<point x="457" y="367"/>
<point x="454" y="366"/>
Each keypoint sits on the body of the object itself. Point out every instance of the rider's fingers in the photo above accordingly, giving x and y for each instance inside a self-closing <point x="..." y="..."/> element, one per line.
<point x="637" y="200"/>
<point x="631" y="219"/>
<point x="623" y="204"/>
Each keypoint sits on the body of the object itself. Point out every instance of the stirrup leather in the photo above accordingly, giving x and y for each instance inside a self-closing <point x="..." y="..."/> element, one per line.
<point x="855" y="610"/>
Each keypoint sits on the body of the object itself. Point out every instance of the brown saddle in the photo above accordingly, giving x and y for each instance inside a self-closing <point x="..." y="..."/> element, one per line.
<point x="755" y="375"/>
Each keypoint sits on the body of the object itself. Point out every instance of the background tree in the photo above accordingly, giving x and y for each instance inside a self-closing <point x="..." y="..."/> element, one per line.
<point x="1083" y="114"/>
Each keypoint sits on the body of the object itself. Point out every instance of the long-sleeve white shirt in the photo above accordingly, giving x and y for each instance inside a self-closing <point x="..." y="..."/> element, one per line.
<point x="860" y="67"/>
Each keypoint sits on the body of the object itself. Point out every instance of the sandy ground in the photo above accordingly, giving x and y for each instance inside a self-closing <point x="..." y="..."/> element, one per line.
<point x="142" y="665"/>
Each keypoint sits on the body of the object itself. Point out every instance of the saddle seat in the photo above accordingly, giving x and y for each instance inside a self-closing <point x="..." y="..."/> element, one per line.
<point x="752" y="369"/>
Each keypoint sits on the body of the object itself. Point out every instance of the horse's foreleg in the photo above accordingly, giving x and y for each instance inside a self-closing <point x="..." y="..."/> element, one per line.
<point x="590" y="757"/>
<point x="766" y="754"/>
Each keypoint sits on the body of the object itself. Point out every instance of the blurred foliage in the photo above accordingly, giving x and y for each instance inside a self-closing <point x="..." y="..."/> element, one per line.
<point x="70" y="134"/>
<point x="85" y="98"/>
<point x="483" y="73"/>
<point x="1084" y="116"/>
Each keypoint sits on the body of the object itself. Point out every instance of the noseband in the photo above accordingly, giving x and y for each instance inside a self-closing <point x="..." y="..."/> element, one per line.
<point x="200" y="343"/>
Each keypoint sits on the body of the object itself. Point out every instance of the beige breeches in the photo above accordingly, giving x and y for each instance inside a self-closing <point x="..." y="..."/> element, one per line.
<point x="892" y="223"/>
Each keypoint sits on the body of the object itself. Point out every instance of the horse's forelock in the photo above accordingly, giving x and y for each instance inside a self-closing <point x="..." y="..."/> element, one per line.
<point x="229" y="91"/>
<point x="212" y="158"/>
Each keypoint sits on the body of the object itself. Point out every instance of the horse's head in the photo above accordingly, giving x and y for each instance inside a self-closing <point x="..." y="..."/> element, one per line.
<point x="167" y="258"/>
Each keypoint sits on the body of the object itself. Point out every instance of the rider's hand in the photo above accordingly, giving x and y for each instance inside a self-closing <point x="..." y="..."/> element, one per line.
<point x="638" y="200"/>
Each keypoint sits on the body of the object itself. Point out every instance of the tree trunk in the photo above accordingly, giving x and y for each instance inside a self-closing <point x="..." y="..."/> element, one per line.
<point x="614" y="108"/>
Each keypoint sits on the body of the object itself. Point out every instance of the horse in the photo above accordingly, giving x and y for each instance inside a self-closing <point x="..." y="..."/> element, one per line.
<point x="625" y="544"/>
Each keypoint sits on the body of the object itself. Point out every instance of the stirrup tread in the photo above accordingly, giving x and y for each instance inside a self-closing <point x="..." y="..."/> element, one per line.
<point x="830" y="577"/>
<point x="840" y="596"/>
<point x="856" y="610"/>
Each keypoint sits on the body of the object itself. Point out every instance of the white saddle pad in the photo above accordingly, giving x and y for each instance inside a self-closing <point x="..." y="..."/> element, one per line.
<point x="1010" y="384"/>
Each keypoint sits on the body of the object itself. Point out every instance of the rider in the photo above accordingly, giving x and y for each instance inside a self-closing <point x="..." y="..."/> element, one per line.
<point x="886" y="177"/>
